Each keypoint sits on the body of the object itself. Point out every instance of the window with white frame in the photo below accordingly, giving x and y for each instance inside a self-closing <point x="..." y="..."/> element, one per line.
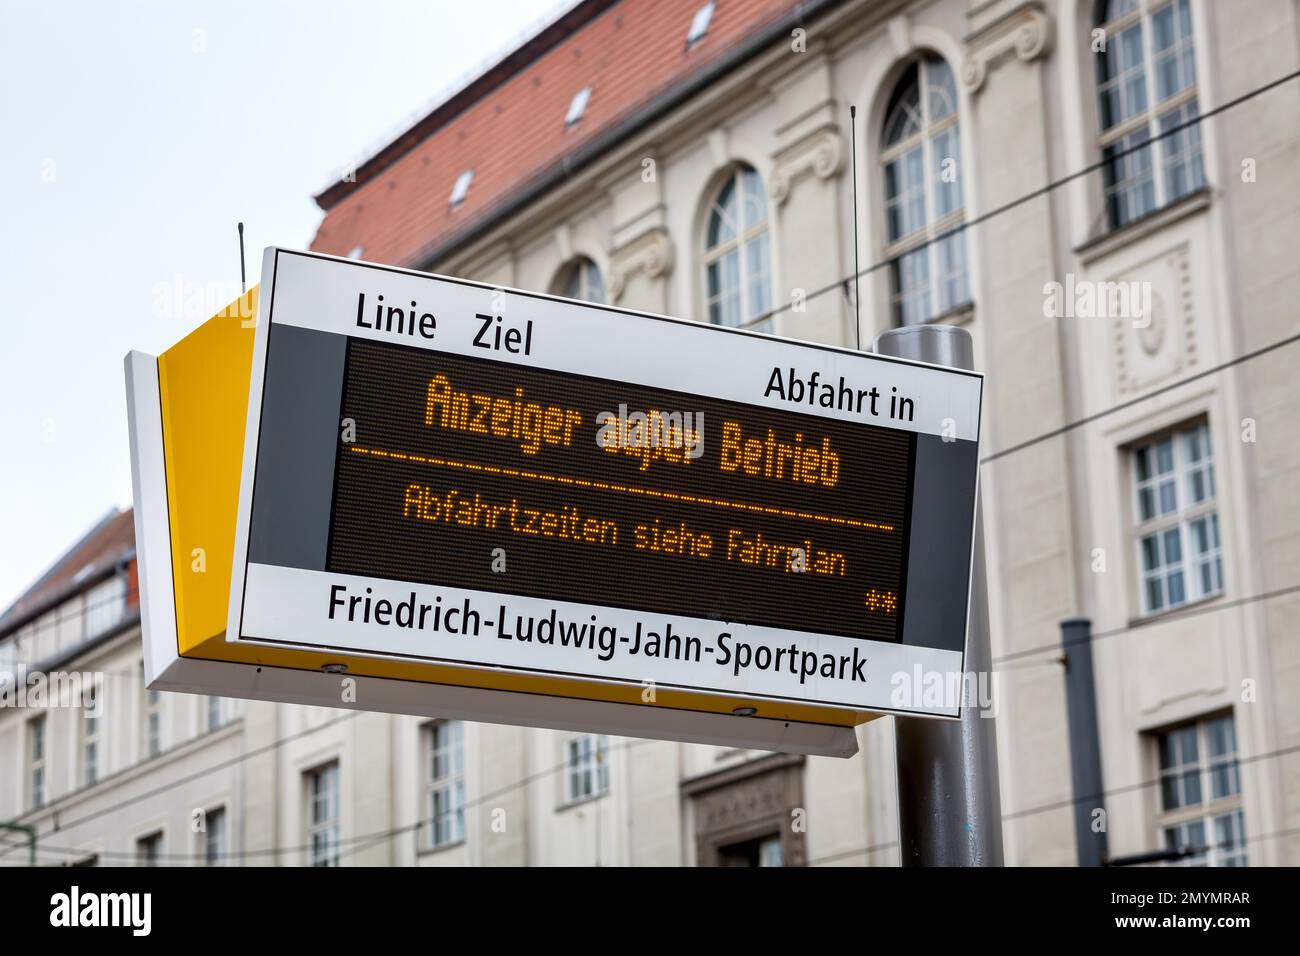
<point x="1200" y="792"/>
<point x="213" y="838"/>
<point x="8" y="664"/>
<point x="737" y="255"/>
<point x="215" y="712"/>
<point x="1146" y="85"/>
<point x="153" y="723"/>
<point x="36" y="762"/>
<point x="586" y="767"/>
<point x="322" y="787"/>
<point x="148" y="849"/>
<point x="921" y="154"/>
<point x="581" y="280"/>
<point x="90" y="730"/>
<point x="1180" y="556"/>
<point x="445" y="782"/>
<point x="105" y="606"/>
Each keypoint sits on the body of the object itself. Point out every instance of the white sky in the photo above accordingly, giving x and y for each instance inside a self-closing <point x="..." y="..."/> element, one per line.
<point x="156" y="151"/>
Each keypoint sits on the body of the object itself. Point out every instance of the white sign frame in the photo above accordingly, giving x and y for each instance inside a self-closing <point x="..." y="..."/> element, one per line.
<point x="315" y="291"/>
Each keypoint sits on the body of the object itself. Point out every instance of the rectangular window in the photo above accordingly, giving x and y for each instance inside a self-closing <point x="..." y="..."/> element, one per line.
<point x="36" y="762"/>
<point x="910" y="280"/>
<point x="771" y="853"/>
<point x="1171" y="41"/>
<point x="216" y="712"/>
<point x="322" y="786"/>
<point x="148" y="849"/>
<point x="1121" y="78"/>
<point x="153" y="723"/>
<point x="586" y="767"/>
<point x="950" y="254"/>
<point x="1179" y="551"/>
<point x="1146" y="83"/>
<point x="924" y="212"/>
<point x="214" y="837"/>
<point x="8" y="664"/>
<point x="1200" y="792"/>
<point x="724" y="290"/>
<point x="105" y="606"/>
<point x="905" y="195"/>
<point x="1181" y="151"/>
<point x="1128" y="178"/>
<point x="90" y="739"/>
<point x="445" y="794"/>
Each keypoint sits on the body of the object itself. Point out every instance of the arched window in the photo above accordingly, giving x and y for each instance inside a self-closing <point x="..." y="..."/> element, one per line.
<point x="581" y="280"/>
<point x="921" y="153"/>
<point x="737" y="257"/>
<point x="1146" y="84"/>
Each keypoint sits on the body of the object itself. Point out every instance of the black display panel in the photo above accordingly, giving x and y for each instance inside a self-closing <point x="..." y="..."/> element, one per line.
<point x="497" y="477"/>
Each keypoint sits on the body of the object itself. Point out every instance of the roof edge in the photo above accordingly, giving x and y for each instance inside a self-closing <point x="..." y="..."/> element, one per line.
<point x="569" y="164"/>
<point x="62" y="560"/>
<point x="481" y="86"/>
<point x="13" y="623"/>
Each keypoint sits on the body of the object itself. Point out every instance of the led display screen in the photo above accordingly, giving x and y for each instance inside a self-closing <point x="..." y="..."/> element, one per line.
<point x="481" y="474"/>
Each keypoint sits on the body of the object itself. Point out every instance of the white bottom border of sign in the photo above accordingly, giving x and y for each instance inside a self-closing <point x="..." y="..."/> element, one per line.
<point x="166" y="670"/>
<point x="283" y="685"/>
<point x="294" y="605"/>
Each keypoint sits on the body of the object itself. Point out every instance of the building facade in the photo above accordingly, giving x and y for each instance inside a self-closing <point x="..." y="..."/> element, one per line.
<point x="1106" y="194"/>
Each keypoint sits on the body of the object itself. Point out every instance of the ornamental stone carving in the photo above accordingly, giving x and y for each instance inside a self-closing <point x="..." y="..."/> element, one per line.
<point x="1026" y="31"/>
<point x="822" y="154"/>
<point x="651" y="253"/>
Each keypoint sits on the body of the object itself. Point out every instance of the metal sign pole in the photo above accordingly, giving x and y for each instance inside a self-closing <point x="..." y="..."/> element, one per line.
<point x="949" y="808"/>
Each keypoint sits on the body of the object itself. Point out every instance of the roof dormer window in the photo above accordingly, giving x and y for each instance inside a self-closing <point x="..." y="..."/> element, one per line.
<point x="699" y="25"/>
<point x="461" y="189"/>
<point x="577" y="106"/>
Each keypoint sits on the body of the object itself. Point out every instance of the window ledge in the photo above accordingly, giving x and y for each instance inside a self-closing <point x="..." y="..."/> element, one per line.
<point x="958" y="315"/>
<point x="580" y="801"/>
<point x="1171" y="613"/>
<point x="426" y="850"/>
<point x="1137" y="230"/>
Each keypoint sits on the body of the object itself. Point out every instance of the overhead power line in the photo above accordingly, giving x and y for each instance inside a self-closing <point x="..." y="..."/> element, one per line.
<point x="976" y="220"/>
<point x="1142" y="625"/>
<point x="351" y="842"/>
<point x="1095" y="416"/>
<point x="1033" y="194"/>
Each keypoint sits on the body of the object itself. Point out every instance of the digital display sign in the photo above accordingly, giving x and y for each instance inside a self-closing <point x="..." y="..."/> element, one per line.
<point x="440" y="472"/>
<point x="491" y="476"/>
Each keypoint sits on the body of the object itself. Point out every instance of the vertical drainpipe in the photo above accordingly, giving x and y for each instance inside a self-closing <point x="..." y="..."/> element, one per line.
<point x="1085" y="742"/>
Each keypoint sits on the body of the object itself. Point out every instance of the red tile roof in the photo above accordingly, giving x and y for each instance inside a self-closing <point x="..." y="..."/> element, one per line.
<point x="508" y="126"/>
<point x="106" y="545"/>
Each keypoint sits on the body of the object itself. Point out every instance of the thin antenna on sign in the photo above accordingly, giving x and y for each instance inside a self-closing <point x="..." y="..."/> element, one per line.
<point x="243" y="281"/>
<point x="857" y="298"/>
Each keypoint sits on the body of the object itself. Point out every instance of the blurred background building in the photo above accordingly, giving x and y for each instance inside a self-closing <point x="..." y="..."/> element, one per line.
<point x="693" y="158"/>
